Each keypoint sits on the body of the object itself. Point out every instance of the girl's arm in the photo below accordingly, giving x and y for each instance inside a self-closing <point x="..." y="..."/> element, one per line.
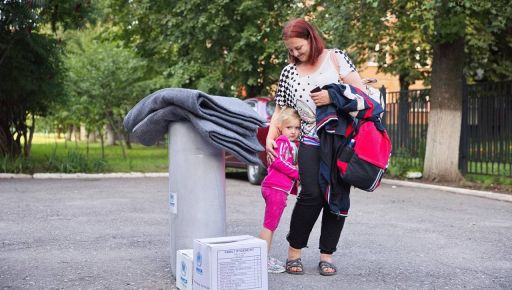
<point x="273" y="133"/>
<point x="280" y="163"/>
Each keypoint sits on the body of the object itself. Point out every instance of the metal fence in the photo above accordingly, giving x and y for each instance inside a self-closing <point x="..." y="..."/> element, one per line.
<point x="406" y="119"/>
<point x="486" y="139"/>
<point x="486" y="132"/>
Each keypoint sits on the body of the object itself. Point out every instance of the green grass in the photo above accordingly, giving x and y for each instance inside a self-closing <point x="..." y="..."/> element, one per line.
<point x="55" y="155"/>
<point x="489" y="180"/>
<point x="49" y="154"/>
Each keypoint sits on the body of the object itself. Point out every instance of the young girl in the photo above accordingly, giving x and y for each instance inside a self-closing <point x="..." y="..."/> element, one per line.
<point x="280" y="180"/>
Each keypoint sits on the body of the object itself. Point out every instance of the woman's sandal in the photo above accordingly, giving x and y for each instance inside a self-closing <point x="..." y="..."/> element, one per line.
<point x="295" y="263"/>
<point x="324" y="265"/>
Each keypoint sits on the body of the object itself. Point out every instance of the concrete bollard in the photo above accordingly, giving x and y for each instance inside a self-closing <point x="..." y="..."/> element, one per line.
<point x="197" y="184"/>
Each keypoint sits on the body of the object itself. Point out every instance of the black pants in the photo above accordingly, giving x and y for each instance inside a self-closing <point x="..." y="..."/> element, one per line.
<point x="309" y="204"/>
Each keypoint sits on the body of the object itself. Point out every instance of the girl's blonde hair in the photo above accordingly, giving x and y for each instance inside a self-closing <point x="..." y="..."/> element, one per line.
<point x="286" y="115"/>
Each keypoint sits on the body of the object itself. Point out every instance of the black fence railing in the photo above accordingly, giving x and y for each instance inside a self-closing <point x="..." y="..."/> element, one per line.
<point x="406" y="119"/>
<point x="486" y="139"/>
<point x="486" y="132"/>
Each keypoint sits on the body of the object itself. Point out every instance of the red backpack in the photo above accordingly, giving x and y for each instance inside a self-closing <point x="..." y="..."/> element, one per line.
<point x="364" y="160"/>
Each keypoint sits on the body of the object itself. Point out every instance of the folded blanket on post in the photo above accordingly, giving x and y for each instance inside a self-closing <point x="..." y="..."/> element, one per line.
<point x="231" y="113"/>
<point x="227" y="123"/>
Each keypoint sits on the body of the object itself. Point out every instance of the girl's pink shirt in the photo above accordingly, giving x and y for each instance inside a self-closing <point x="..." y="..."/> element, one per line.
<point x="282" y="173"/>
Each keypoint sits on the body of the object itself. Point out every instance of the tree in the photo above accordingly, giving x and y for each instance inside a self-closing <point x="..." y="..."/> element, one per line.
<point x="30" y="65"/>
<point x="102" y="79"/>
<point x="407" y="35"/>
<point x="217" y="47"/>
<point x="451" y="23"/>
<point x="385" y="32"/>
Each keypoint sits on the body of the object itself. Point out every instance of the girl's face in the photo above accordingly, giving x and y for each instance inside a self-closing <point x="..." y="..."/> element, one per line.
<point x="291" y="129"/>
<point x="298" y="47"/>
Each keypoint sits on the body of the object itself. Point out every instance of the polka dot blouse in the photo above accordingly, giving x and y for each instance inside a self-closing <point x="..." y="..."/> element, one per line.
<point x="293" y="90"/>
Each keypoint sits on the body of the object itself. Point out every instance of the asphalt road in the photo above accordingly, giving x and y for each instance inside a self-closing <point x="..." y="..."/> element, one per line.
<point x="114" y="234"/>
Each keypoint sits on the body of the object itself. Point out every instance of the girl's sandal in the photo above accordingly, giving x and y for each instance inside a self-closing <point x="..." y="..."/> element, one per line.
<point x="324" y="265"/>
<point x="295" y="263"/>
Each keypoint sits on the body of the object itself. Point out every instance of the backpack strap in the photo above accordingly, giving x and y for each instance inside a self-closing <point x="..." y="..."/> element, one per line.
<point x="336" y="64"/>
<point x="334" y="61"/>
<point x="366" y="81"/>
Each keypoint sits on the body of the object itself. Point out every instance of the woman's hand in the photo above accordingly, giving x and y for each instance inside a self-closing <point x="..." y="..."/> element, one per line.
<point x="270" y="148"/>
<point x="321" y="98"/>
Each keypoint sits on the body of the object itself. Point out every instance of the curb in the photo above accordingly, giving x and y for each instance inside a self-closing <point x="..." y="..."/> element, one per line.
<point x="82" y="175"/>
<point x="458" y="190"/>
<point x="471" y="192"/>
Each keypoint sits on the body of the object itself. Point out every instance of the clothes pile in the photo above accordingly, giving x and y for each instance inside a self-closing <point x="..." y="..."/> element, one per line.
<point x="226" y="122"/>
<point x="352" y="114"/>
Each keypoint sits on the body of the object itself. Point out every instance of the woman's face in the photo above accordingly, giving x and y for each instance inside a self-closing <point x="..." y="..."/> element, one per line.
<point x="298" y="47"/>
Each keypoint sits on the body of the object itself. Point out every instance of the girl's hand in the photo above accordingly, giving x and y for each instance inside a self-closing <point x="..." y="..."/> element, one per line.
<point x="270" y="148"/>
<point x="321" y="98"/>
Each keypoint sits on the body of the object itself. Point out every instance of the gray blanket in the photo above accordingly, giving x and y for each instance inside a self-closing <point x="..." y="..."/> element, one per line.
<point x="228" y="123"/>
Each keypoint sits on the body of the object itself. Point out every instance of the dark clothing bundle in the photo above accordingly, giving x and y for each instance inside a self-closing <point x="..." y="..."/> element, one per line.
<point x="309" y="204"/>
<point x="335" y="123"/>
<point x="226" y="122"/>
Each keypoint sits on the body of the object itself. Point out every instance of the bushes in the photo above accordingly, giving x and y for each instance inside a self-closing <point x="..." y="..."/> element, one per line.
<point x="55" y="155"/>
<point x="15" y="165"/>
<point x="73" y="162"/>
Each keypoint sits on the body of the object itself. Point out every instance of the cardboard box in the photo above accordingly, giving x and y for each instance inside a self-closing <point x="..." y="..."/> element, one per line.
<point x="184" y="269"/>
<point x="238" y="262"/>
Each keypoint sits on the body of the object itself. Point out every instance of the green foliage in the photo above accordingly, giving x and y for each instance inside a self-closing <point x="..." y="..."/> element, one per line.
<point x="9" y="164"/>
<point x="29" y="85"/>
<point x="29" y="65"/>
<point x="102" y="80"/>
<point x="399" y="34"/>
<point x="487" y="180"/>
<point x="54" y="156"/>
<point x="386" y="32"/>
<point x="402" y="162"/>
<point x="217" y="47"/>
<point x="74" y="162"/>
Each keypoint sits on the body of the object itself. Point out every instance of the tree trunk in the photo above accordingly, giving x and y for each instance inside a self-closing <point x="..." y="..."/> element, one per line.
<point x="87" y="145"/>
<point x="69" y="132"/>
<point x="110" y="134"/>
<point x="12" y="129"/>
<point x="91" y="136"/>
<point x="444" y="124"/>
<point x="102" y="145"/>
<point x="252" y="91"/>
<point x="127" y="139"/>
<point x="76" y="132"/>
<point x="6" y="141"/>
<point x="28" y="143"/>
<point x="83" y="132"/>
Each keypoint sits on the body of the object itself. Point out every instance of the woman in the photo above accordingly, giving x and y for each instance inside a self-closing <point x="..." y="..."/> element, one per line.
<point x="311" y="65"/>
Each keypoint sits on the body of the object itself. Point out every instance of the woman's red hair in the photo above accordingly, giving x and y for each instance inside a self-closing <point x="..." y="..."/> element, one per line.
<point x="300" y="28"/>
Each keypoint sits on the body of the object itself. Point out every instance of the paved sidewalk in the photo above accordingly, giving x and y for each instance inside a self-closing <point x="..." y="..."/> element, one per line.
<point x="113" y="233"/>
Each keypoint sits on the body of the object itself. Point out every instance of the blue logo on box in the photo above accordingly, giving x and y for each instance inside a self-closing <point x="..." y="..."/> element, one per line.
<point x="172" y="199"/>
<point x="183" y="268"/>
<point x="199" y="263"/>
<point x="183" y="277"/>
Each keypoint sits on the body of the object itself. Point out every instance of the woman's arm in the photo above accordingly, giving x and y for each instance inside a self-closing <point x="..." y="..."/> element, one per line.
<point x="273" y="133"/>
<point x="344" y="67"/>
<point x="322" y="98"/>
<point x="354" y="79"/>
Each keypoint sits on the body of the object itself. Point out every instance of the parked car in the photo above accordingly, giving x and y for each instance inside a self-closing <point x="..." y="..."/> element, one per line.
<point x="264" y="106"/>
